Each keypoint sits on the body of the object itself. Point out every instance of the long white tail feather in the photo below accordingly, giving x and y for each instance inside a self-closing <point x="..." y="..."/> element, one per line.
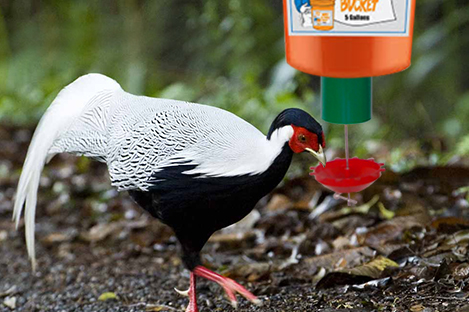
<point x="64" y="110"/>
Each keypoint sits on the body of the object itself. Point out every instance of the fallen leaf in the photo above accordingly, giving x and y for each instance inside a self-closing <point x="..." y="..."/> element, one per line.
<point x="357" y="275"/>
<point x="339" y="279"/>
<point x="388" y="230"/>
<point x="341" y="242"/>
<point x="464" y="309"/>
<point x="458" y="237"/>
<point x="449" y="225"/>
<point x="107" y="296"/>
<point x="461" y="271"/>
<point x="101" y="231"/>
<point x="55" y="238"/>
<point x="378" y="283"/>
<point x="251" y="271"/>
<point x="352" y="256"/>
<point x="402" y="253"/>
<point x="373" y="268"/>
<point x="279" y="202"/>
<point x="384" y="213"/>
<point x="417" y="308"/>
<point x="457" y="243"/>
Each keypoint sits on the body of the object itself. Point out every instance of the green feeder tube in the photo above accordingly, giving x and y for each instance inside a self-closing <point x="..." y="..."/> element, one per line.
<point x="346" y="100"/>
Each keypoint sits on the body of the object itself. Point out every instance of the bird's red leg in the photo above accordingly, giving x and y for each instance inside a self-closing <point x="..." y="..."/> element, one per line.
<point x="229" y="285"/>
<point x="192" y="307"/>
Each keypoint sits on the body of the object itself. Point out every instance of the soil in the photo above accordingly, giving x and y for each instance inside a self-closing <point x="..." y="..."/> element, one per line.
<point x="300" y="250"/>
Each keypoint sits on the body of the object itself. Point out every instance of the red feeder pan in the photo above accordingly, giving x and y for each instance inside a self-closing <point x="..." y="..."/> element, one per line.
<point x="361" y="174"/>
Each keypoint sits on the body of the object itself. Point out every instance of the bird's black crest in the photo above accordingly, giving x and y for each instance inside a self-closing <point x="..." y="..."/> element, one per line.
<point x="296" y="117"/>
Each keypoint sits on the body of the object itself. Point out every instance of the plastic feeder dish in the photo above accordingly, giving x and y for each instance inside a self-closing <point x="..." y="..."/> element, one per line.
<point x="336" y="177"/>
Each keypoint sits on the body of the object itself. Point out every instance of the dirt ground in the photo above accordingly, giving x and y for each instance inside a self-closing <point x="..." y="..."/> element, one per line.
<point x="405" y="247"/>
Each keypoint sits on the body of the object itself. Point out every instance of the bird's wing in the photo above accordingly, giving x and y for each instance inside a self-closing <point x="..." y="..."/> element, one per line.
<point x="148" y="135"/>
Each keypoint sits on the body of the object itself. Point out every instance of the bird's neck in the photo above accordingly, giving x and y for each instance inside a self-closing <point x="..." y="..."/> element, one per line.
<point x="277" y="143"/>
<point x="280" y="153"/>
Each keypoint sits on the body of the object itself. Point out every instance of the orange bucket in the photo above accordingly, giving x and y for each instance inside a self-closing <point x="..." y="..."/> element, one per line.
<point x="331" y="51"/>
<point x="322" y="14"/>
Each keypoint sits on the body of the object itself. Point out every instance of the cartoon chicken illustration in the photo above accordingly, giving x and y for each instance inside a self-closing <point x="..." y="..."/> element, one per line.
<point x="304" y="8"/>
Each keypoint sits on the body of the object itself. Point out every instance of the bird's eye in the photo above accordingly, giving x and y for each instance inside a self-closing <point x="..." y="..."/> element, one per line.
<point x="302" y="138"/>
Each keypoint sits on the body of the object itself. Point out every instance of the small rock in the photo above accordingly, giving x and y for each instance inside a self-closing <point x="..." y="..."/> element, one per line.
<point x="3" y="235"/>
<point x="10" y="302"/>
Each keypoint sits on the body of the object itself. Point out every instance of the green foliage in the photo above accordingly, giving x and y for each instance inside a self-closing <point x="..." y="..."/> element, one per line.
<point x="229" y="54"/>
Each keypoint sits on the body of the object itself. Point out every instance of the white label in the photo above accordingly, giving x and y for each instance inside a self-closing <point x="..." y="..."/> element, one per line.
<point x="374" y="18"/>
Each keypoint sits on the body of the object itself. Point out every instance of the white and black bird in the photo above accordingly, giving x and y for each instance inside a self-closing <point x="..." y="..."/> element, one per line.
<point x="196" y="168"/>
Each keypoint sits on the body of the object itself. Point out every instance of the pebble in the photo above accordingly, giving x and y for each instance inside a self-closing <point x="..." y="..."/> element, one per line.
<point x="10" y="302"/>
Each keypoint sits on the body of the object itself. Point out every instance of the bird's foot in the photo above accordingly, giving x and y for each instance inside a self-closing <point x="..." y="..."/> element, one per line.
<point x="184" y="293"/>
<point x="229" y="285"/>
<point x="192" y="307"/>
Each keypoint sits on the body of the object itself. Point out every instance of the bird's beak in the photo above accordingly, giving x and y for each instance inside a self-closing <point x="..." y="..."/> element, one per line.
<point x="319" y="155"/>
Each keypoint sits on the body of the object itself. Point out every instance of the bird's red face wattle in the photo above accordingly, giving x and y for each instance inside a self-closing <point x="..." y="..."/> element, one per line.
<point x="303" y="139"/>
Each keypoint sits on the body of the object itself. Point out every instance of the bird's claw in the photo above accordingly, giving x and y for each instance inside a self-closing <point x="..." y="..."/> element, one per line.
<point x="229" y="285"/>
<point x="184" y="293"/>
<point x="231" y="288"/>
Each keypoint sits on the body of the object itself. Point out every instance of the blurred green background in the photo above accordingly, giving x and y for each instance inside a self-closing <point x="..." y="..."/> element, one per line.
<point x="231" y="54"/>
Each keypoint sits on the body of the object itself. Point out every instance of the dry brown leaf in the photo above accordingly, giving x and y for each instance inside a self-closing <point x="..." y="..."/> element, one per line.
<point x="450" y="225"/>
<point x="373" y="268"/>
<point x="417" y="308"/>
<point x="388" y="230"/>
<point x="461" y="271"/>
<point x="341" y="242"/>
<point x="455" y="242"/>
<point x="457" y="238"/>
<point x="251" y="271"/>
<point x="101" y="231"/>
<point x="55" y="238"/>
<point x="329" y="261"/>
<point x="159" y="308"/>
<point x="279" y="202"/>
<point x="357" y="275"/>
